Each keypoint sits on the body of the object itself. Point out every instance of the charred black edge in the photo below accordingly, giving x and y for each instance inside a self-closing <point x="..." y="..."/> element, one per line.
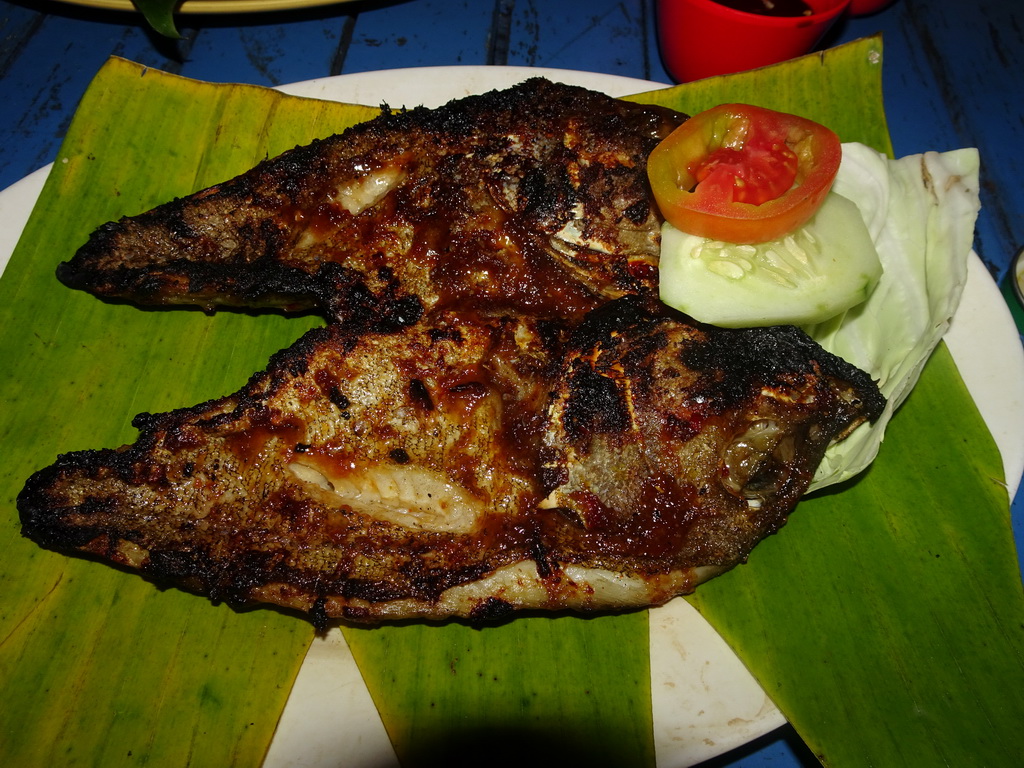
<point x="345" y="298"/>
<point x="741" y="354"/>
<point x="763" y="351"/>
<point x="260" y="284"/>
<point x="634" y="312"/>
<point x="542" y="98"/>
<point x="492" y="609"/>
<point x="38" y="516"/>
<point x="772" y="352"/>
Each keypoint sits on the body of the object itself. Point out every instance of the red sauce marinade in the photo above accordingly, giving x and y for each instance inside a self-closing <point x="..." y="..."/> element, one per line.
<point x="655" y="531"/>
<point x="500" y="266"/>
<point x="770" y="7"/>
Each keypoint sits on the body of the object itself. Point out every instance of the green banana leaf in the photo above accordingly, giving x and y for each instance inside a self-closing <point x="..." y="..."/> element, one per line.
<point x="99" y="667"/>
<point x="102" y="668"/>
<point x="563" y="690"/>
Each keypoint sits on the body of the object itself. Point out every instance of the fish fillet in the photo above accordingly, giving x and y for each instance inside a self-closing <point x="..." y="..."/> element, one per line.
<point x="498" y="414"/>
<point x="535" y="197"/>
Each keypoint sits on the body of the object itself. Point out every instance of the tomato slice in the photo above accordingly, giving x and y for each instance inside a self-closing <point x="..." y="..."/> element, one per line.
<point x="743" y="174"/>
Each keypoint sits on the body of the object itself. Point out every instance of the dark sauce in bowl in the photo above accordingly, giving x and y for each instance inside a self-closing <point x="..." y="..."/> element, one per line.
<point x="770" y="7"/>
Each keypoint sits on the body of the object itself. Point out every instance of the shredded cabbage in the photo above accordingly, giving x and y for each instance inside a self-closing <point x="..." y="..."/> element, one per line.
<point x="920" y="211"/>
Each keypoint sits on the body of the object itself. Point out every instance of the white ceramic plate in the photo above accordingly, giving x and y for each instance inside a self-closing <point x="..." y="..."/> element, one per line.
<point x="213" y="6"/>
<point x="705" y="702"/>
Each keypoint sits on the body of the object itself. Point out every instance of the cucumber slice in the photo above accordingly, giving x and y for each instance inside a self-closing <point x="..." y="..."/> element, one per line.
<point x="817" y="272"/>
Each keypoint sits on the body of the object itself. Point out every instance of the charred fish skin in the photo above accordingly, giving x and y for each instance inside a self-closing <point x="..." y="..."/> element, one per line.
<point x="357" y="466"/>
<point x="670" y="444"/>
<point x="470" y="465"/>
<point x="542" y="183"/>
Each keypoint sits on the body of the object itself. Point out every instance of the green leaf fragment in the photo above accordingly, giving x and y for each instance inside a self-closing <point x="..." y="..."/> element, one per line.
<point x="160" y="15"/>
<point x="570" y="690"/>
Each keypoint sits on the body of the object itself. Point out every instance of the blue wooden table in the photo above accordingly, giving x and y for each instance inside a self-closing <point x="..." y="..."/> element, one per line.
<point x="952" y="78"/>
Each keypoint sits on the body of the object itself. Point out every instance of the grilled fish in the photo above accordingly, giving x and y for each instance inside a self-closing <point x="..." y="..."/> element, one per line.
<point x="535" y="197"/>
<point x="471" y="464"/>
<point x="498" y="414"/>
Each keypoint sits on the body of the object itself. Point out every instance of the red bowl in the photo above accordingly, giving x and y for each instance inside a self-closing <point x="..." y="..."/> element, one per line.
<point x="866" y="7"/>
<point x="701" y="38"/>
